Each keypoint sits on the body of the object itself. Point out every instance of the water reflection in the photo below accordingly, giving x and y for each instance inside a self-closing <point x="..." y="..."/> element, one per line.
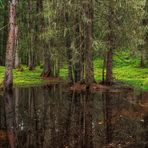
<point x="51" y="117"/>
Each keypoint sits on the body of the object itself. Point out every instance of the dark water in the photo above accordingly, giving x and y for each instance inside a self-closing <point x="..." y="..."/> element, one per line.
<point x="51" y="117"/>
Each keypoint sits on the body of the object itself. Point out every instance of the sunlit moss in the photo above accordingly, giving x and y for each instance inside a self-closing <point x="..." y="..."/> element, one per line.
<point x="127" y="72"/>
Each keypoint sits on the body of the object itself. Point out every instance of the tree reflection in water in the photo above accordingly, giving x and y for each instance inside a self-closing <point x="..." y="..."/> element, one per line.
<point x="9" y="115"/>
<point x="51" y="117"/>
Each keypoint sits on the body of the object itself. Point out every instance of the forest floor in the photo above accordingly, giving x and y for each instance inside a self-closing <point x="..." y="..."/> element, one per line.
<point x="133" y="76"/>
<point x="128" y="72"/>
<point x="126" y="69"/>
<point x="27" y="77"/>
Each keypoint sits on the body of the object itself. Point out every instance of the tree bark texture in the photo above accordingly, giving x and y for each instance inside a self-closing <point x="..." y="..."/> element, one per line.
<point x="89" y="40"/>
<point x="8" y="82"/>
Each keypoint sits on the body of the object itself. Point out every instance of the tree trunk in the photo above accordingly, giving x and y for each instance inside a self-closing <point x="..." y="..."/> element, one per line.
<point x="109" y="65"/>
<point x="69" y="51"/>
<point x="77" y="72"/>
<point x="77" y="65"/>
<point x="70" y="66"/>
<point x="142" y="59"/>
<point x="5" y="34"/>
<point x="16" y="59"/>
<point x="103" y="68"/>
<point x="8" y="82"/>
<point x="111" y="40"/>
<point x="89" y="39"/>
<point x="30" y="45"/>
<point x="46" y="68"/>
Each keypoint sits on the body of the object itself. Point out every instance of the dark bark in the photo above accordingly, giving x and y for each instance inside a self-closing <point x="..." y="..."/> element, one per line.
<point x="109" y="67"/>
<point x="77" y="72"/>
<point x="142" y="64"/>
<point x="89" y="39"/>
<point x="77" y="65"/>
<point x="30" y="46"/>
<point x="5" y="34"/>
<point x="47" y="67"/>
<point x="69" y="51"/>
<point x="70" y="66"/>
<point x="103" y="68"/>
<point x="111" y="43"/>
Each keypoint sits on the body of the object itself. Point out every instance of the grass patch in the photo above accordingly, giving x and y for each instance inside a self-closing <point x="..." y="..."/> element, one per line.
<point x="137" y="77"/>
<point x="126" y="71"/>
<point x="26" y="78"/>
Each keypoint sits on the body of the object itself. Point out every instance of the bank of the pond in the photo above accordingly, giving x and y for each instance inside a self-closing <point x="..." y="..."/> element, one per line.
<point x="28" y="78"/>
<point x="128" y="73"/>
<point x="132" y="75"/>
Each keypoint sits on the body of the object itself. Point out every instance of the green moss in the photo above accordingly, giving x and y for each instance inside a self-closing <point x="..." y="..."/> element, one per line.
<point x="137" y="77"/>
<point x="126" y="71"/>
<point x="2" y="69"/>
<point x="26" y="78"/>
<point x="64" y="72"/>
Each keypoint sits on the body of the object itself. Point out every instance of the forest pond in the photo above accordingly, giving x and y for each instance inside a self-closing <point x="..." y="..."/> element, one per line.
<point x="53" y="117"/>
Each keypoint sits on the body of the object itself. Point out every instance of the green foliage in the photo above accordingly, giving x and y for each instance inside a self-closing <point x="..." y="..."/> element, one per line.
<point x="126" y="27"/>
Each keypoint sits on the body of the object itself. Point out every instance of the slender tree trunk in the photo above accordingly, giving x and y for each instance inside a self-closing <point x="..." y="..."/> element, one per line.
<point x="1" y="49"/>
<point x="142" y="59"/>
<point x="47" y="67"/>
<point x="145" y="23"/>
<point x="30" y="45"/>
<point x="69" y="51"/>
<point x="47" y="70"/>
<point x="146" y="40"/>
<point x="70" y="66"/>
<point x="5" y="34"/>
<point x="8" y="82"/>
<point x="109" y="67"/>
<point x="77" y="65"/>
<point x="109" y="60"/>
<point x="16" y="58"/>
<point x="89" y="39"/>
<point x="103" y="68"/>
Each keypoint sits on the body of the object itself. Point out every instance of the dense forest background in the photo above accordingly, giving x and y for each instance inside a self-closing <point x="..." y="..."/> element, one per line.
<point x="77" y="35"/>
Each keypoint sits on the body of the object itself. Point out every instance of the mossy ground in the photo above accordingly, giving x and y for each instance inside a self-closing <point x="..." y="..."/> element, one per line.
<point x="126" y="71"/>
<point x="26" y="77"/>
